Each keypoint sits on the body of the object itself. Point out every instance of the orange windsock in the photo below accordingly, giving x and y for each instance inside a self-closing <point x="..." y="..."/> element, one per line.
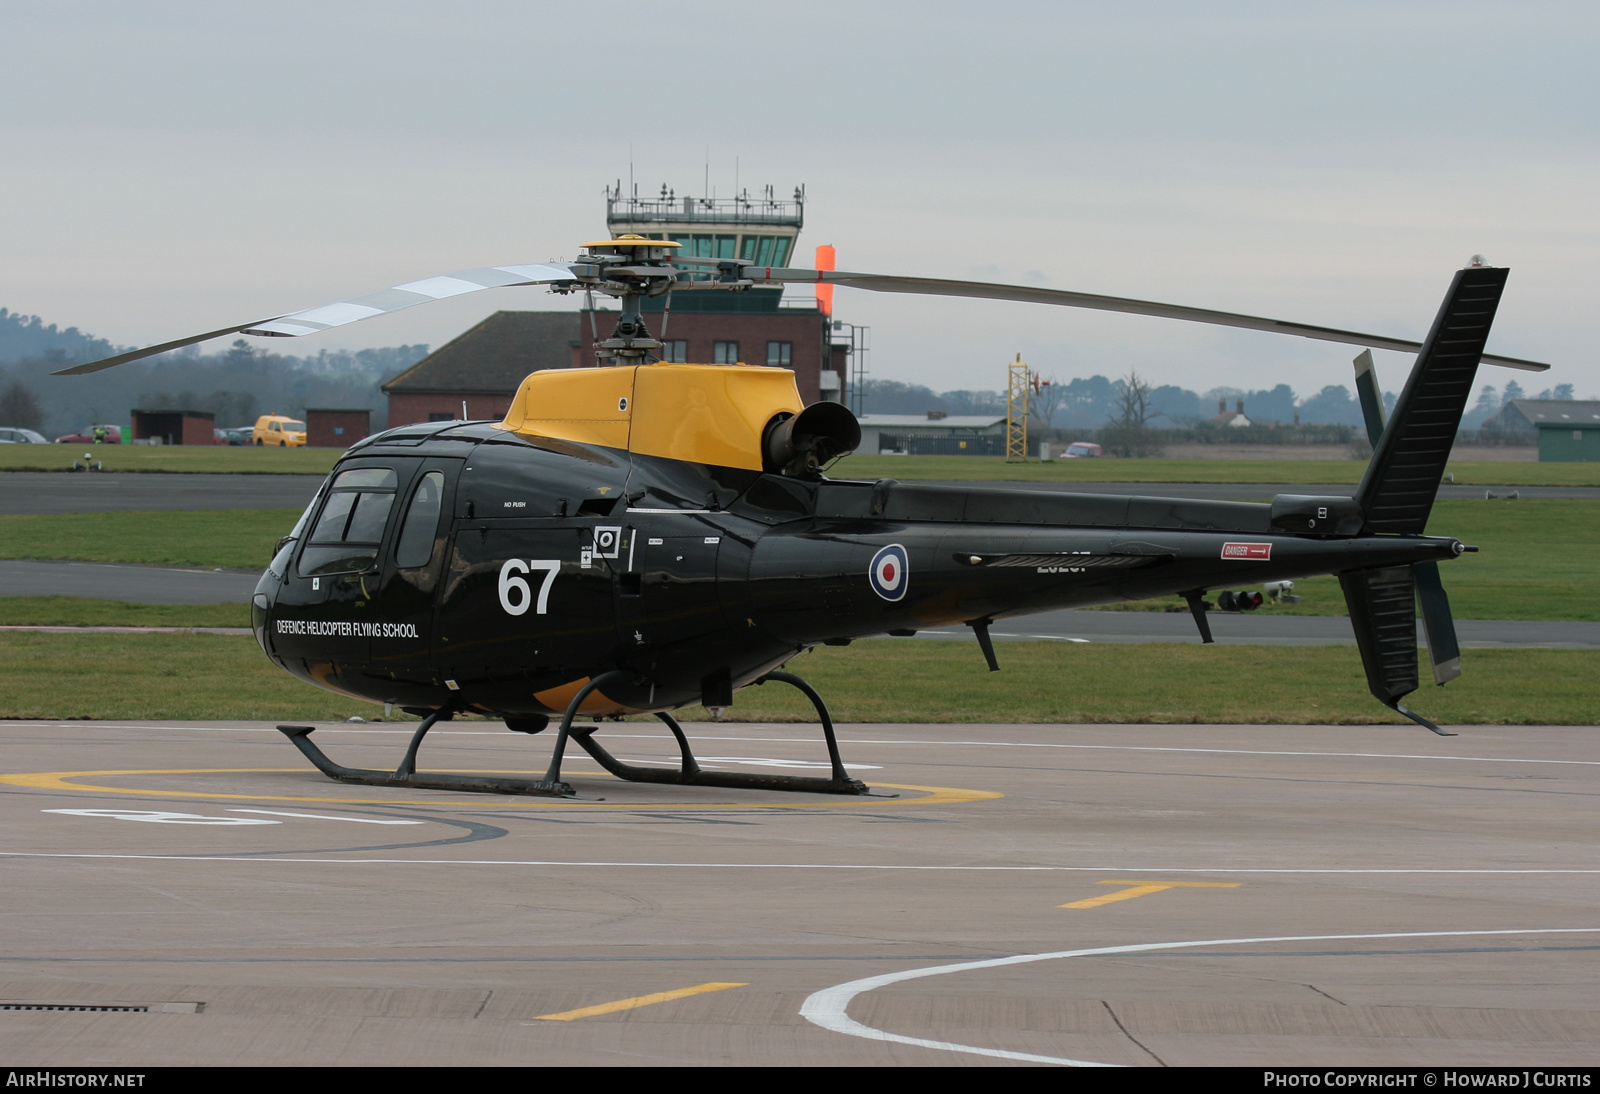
<point x="825" y="261"/>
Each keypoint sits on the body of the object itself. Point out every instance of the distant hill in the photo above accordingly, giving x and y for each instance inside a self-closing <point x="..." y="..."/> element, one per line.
<point x="24" y="336"/>
<point x="236" y="383"/>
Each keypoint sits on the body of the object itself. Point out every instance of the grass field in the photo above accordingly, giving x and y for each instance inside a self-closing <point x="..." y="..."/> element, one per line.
<point x="1539" y="559"/>
<point x="214" y="676"/>
<point x="202" y="458"/>
<point x="1066" y="472"/>
<point x="72" y="611"/>
<point x="306" y="461"/>
<point x="228" y="538"/>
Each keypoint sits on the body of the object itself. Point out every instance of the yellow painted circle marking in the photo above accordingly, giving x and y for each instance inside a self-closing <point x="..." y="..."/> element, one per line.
<point x="58" y="780"/>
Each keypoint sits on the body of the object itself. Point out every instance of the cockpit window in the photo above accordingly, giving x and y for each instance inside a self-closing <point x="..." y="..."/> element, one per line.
<point x="381" y="477"/>
<point x="350" y="528"/>
<point x="422" y="522"/>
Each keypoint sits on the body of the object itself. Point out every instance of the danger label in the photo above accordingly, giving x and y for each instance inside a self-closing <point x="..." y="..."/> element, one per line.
<point x="1247" y="550"/>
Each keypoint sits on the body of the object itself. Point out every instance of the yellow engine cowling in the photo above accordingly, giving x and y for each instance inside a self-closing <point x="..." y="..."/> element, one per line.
<point x="713" y="414"/>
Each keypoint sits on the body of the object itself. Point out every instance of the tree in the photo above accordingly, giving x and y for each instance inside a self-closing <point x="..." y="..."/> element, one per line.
<point x="19" y="408"/>
<point x="1132" y="401"/>
<point x="1128" y="434"/>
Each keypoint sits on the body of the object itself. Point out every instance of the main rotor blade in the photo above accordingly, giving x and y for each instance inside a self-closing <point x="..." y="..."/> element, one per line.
<point x="148" y="351"/>
<point x="984" y="290"/>
<point x="357" y="308"/>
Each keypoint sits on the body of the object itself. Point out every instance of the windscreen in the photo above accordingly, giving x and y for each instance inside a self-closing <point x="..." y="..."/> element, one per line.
<point x="350" y="527"/>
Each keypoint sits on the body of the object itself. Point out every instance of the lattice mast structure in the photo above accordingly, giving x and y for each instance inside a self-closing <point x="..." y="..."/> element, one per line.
<point x="1018" y="383"/>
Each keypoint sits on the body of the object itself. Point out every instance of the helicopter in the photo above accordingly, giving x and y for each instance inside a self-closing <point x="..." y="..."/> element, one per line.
<point x="641" y="536"/>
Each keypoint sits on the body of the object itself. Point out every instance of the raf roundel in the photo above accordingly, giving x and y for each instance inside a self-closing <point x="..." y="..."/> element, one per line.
<point x="889" y="572"/>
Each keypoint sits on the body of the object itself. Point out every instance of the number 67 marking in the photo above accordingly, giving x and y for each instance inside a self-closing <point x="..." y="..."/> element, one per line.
<point x="510" y="583"/>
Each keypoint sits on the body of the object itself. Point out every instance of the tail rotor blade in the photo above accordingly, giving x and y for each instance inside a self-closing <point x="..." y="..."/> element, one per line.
<point x="1371" y="399"/>
<point x="1438" y="623"/>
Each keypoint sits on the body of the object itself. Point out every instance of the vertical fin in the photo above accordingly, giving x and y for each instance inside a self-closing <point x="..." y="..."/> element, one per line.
<point x="1443" y="649"/>
<point x="1383" y="613"/>
<point x="1397" y="492"/>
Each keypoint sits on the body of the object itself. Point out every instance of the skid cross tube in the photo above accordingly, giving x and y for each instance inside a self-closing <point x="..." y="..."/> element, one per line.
<point x="691" y="774"/>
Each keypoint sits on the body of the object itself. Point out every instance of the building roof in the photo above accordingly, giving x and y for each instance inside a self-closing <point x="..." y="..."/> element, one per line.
<point x="1531" y="413"/>
<point x="922" y="421"/>
<point x="495" y="355"/>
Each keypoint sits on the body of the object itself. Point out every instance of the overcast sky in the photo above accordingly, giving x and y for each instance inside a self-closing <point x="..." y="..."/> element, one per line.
<point x="167" y="168"/>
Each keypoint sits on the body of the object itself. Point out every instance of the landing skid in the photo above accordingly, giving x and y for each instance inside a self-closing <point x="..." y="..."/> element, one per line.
<point x="689" y="772"/>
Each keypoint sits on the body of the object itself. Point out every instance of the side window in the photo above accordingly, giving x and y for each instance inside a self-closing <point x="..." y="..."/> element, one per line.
<point x="422" y="522"/>
<point x="350" y="527"/>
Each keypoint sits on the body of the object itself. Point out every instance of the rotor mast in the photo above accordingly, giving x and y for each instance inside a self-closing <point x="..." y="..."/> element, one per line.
<point x="630" y="268"/>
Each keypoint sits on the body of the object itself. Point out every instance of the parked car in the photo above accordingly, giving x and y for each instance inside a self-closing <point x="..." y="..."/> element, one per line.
<point x="17" y="435"/>
<point x="94" y="434"/>
<point x="1081" y="450"/>
<point x="238" y="435"/>
<point x="275" y="429"/>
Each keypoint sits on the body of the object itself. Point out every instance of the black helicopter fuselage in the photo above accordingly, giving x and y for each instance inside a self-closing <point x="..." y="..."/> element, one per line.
<point x="466" y="565"/>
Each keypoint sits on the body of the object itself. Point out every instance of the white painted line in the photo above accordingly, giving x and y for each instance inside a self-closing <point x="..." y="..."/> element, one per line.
<point x="320" y="816"/>
<point x="826" y="1008"/>
<point x="900" y="867"/>
<point x="1161" y="748"/>
<point x="408" y="728"/>
<point x="158" y="816"/>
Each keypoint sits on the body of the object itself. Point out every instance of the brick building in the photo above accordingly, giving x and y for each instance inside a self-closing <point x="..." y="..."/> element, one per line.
<point x="482" y="367"/>
<point x="174" y="426"/>
<point x="335" y="427"/>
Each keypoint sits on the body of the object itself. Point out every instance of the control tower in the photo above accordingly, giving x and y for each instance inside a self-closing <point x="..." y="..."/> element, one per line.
<point x="763" y="229"/>
<point x="755" y="327"/>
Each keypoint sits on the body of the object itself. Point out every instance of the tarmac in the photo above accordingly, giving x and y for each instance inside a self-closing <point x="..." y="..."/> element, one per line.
<point x="1068" y="894"/>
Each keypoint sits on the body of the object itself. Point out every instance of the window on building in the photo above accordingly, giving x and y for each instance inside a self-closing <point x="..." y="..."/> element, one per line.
<point x="780" y="354"/>
<point x="675" y="350"/>
<point x="765" y="250"/>
<point x="707" y="246"/>
<point x="436" y="416"/>
<point x="725" y="353"/>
